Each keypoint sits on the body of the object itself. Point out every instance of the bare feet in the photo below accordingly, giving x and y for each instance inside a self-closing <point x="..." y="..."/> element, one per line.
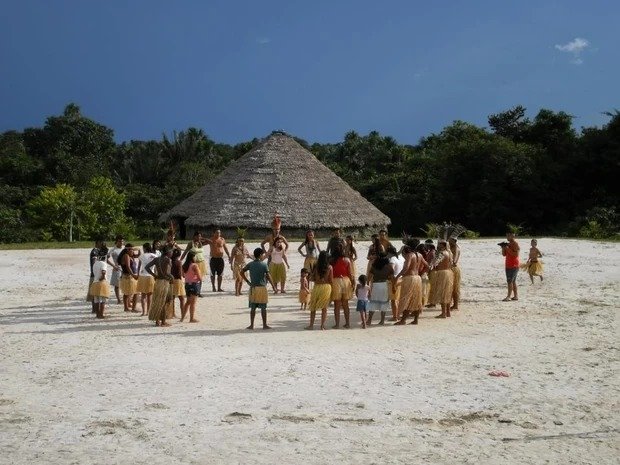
<point x="399" y="323"/>
<point x="346" y="326"/>
<point x="266" y="327"/>
<point x="515" y="298"/>
<point x="336" y="327"/>
<point x="414" y="322"/>
<point x="440" y="316"/>
<point x="323" y="328"/>
<point x="310" y="328"/>
<point x="193" y="321"/>
<point x="165" y="324"/>
<point x="507" y="299"/>
<point x="250" y="327"/>
<point x="220" y="290"/>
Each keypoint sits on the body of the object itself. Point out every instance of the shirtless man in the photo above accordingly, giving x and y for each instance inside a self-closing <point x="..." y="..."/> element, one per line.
<point x="511" y="250"/>
<point x="216" y="262"/>
<point x="441" y="289"/>
<point x="411" y="288"/>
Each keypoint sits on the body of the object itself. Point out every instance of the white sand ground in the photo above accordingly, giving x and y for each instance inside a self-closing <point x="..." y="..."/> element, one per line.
<point x="77" y="390"/>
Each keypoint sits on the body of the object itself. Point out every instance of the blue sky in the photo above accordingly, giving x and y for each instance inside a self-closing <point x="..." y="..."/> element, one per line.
<point x="317" y="69"/>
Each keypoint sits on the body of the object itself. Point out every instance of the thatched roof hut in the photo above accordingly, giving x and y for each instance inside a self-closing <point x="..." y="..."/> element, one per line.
<point x="278" y="175"/>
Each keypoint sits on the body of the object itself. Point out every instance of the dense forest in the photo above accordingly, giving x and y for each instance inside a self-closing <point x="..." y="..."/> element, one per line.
<point x="71" y="180"/>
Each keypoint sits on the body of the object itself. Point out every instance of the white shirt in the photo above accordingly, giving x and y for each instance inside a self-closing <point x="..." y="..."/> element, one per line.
<point x="397" y="263"/>
<point x="145" y="259"/>
<point x="98" y="268"/>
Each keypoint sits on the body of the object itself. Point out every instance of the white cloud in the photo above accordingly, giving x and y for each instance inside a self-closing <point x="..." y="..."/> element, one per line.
<point x="263" y="41"/>
<point x="574" y="47"/>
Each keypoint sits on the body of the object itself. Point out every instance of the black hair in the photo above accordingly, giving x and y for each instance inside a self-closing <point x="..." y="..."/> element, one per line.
<point x="322" y="264"/>
<point x="380" y="261"/>
<point x="258" y="252"/>
<point x="147" y="247"/>
<point x="362" y="279"/>
<point x="103" y="252"/>
<point x="176" y="253"/>
<point x="189" y="259"/>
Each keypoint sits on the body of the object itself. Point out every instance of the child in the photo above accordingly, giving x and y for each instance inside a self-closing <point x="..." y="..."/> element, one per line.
<point x="361" y="292"/>
<point x="533" y="265"/>
<point x="100" y="289"/>
<point x="238" y="254"/>
<point x="278" y="264"/>
<point x="304" y="289"/>
<point x="178" y="284"/>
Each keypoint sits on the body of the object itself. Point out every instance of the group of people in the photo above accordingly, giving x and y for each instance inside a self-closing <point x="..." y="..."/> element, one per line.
<point x="398" y="283"/>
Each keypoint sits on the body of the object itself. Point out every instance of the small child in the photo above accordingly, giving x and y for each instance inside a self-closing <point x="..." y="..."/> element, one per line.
<point x="361" y="292"/>
<point x="533" y="265"/>
<point x="100" y="288"/>
<point x="304" y="289"/>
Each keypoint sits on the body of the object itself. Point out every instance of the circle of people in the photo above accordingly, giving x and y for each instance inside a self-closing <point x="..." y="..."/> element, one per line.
<point x="402" y="283"/>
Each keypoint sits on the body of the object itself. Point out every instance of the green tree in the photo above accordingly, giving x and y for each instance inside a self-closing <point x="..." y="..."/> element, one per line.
<point x="58" y="213"/>
<point x="104" y="209"/>
<point x="73" y="149"/>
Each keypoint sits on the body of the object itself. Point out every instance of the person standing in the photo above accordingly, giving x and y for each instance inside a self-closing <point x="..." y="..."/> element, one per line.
<point x="216" y="262"/>
<point x="456" y="269"/>
<point x="381" y="274"/>
<point x="533" y="265"/>
<point x="238" y="254"/>
<point x="93" y="257"/>
<point x="343" y="284"/>
<point x="146" y="283"/>
<point x="312" y="249"/>
<point x="113" y="254"/>
<point x="321" y="291"/>
<point x="191" y="273"/>
<point x="397" y="261"/>
<point x="100" y="289"/>
<point x="411" y="299"/>
<point x="199" y="258"/>
<point x="162" y="294"/>
<point x="129" y="278"/>
<point x="510" y="251"/>
<point x="278" y="264"/>
<point x="259" y="277"/>
<point x="441" y="285"/>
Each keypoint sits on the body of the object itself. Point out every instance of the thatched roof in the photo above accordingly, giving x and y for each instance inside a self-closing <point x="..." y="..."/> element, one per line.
<point x="278" y="175"/>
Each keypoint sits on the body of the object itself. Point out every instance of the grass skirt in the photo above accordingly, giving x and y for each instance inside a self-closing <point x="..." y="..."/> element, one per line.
<point x="395" y="294"/>
<point x="456" y="287"/>
<point x="426" y="288"/>
<point x="161" y="304"/>
<point x="304" y="297"/>
<point x="533" y="268"/>
<point x="146" y="284"/>
<point x="411" y="294"/>
<point x="258" y="295"/>
<point x="100" y="289"/>
<point x="202" y="266"/>
<point x="341" y="289"/>
<point x="237" y="270"/>
<point x="309" y="264"/>
<point x="441" y="287"/>
<point x="89" y="296"/>
<point x="178" y="288"/>
<point x="128" y="284"/>
<point x="277" y="272"/>
<point x="320" y="297"/>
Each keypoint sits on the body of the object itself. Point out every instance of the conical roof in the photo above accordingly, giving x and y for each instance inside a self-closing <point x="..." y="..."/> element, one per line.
<point x="278" y="175"/>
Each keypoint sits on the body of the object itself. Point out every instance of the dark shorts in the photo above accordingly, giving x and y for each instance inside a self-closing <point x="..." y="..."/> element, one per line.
<point x="217" y="265"/>
<point x="362" y="305"/>
<point x="511" y="274"/>
<point x="191" y="289"/>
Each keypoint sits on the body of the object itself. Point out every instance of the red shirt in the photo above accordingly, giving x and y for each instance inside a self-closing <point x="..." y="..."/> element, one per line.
<point x="341" y="268"/>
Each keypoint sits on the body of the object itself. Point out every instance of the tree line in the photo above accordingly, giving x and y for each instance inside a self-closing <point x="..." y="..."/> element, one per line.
<point x="70" y="180"/>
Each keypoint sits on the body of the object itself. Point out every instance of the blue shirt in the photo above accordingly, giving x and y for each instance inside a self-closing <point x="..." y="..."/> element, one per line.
<point x="258" y="272"/>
